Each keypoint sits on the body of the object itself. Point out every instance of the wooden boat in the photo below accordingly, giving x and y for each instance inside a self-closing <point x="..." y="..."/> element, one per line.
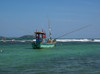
<point x="42" y="41"/>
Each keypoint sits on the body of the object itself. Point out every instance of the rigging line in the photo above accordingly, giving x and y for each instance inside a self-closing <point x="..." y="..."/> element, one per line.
<point x="24" y="30"/>
<point x="73" y="31"/>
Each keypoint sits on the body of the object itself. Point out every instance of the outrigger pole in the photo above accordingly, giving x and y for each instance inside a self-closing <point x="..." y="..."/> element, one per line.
<point x="74" y="31"/>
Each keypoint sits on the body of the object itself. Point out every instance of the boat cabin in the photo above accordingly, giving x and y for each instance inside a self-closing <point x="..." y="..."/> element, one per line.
<point x="40" y="35"/>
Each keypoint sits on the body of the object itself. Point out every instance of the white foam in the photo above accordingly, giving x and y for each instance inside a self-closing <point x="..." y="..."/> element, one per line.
<point x="60" y="40"/>
<point x="96" y="40"/>
<point x="74" y="40"/>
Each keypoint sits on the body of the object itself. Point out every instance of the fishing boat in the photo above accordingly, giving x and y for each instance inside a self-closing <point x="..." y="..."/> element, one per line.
<point x="42" y="41"/>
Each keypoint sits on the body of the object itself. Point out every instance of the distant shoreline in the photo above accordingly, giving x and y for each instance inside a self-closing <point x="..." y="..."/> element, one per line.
<point x="17" y="38"/>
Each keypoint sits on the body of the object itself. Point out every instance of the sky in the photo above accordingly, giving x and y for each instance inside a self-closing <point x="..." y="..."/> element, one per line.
<point x="24" y="17"/>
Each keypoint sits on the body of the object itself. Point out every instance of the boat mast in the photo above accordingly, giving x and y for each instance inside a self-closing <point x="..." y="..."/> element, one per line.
<point x="50" y="35"/>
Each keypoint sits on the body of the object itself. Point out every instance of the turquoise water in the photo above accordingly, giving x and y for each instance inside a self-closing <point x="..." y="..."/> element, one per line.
<point x="65" y="58"/>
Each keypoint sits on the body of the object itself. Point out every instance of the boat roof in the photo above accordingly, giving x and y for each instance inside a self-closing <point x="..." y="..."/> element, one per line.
<point x="39" y="33"/>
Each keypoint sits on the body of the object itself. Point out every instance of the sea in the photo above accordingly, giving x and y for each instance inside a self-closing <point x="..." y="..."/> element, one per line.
<point x="69" y="56"/>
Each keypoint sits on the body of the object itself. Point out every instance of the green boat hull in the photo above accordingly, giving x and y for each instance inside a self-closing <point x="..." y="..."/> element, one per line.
<point x="41" y="46"/>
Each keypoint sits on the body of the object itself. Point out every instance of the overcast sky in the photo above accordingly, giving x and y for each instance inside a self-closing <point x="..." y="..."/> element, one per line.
<point x="22" y="17"/>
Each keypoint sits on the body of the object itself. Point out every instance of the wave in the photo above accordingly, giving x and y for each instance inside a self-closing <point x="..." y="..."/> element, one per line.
<point x="78" y="40"/>
<point x="58" y="40"/>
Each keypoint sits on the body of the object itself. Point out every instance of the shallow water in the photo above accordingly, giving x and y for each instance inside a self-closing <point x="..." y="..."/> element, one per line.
<point x="65" y="58"/>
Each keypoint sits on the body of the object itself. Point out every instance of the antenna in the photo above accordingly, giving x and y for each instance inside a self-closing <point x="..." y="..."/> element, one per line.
<point x="42" y="30"/>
